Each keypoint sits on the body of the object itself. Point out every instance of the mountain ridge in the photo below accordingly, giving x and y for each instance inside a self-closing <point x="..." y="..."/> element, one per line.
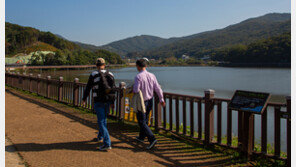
<point x="245" y="32"/>
<point x="149" y="45"/>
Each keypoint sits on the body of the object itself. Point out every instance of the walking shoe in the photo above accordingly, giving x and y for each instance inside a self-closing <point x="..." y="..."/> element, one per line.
<point x="96" y="139"/>
<point x="105" y="147"/>
<point x="140" y="140"/>
<point x="152" y="144"/>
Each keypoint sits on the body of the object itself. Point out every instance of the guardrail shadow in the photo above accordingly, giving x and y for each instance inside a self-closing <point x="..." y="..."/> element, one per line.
<point x="174" y="152"/>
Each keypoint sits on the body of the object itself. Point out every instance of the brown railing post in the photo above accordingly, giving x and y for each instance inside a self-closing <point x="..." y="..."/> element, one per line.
<point x="117" y="103"/>
<point x="229" y="126"/>
<point x="240" y="130"/>
<point x="192" y="117"/>
<point x="75" y="92"/>
<point x="209" y="115"/>
<point x="6" y="78"/>
<point x="122" y="86"/>
<point x="157" y="113"/>
<point x="184" y="116"/>
<point x="171" y="112"/>
<point x="30" y="82"/>
<point x="219" y="122"/>
<point x="38" y="83"/>
<point x="23" y="81"/>
<point x="277" y="131"/>
<point x="177" y="114"/>
<point x="11" y="79"/>
<point x="288" y="99"/>
<point x="264" y="132"/>
<point x="164" y="114"/>
<point x="199" y="118"/>
<point x="48" y="86"/>
<point x="15" y="80"/>
<point x="60" y="89"/>
<point x="248" y="133"/>
<point x="19" y="80"/>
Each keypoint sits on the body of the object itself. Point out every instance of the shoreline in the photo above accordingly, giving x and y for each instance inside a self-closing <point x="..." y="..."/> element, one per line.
<point x="114" y="66"/>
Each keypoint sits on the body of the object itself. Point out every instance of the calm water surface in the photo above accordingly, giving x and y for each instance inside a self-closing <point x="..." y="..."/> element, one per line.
<point x="194" y="80"/>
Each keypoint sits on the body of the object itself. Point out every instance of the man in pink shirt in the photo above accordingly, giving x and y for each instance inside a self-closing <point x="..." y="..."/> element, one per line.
<point x="147" y="83"/>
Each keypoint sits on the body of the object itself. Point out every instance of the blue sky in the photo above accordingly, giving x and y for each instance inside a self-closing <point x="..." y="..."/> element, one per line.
<point x="99" y="22"/>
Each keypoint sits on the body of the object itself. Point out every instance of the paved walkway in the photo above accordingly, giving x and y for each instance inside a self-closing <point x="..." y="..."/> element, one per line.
<point x="51" y="134"/>
<point x="12" y="159"/>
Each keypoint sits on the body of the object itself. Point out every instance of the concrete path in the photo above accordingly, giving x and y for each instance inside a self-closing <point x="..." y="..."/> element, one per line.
<point x="51" y="134"/>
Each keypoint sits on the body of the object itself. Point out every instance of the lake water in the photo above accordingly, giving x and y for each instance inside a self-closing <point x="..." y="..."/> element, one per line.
<point x="195" y="80"/>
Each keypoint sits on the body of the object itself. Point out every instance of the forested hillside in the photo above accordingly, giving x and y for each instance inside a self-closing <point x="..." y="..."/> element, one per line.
<point x="274" y="51"/>
<point x="243" y="33"/>
<point x="19" y="39"/>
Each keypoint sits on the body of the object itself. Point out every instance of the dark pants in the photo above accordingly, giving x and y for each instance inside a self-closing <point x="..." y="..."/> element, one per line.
<point x="145" y="131"/>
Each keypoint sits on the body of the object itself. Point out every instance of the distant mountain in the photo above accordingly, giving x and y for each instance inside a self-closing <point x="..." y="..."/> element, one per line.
<point x="131" y="44"/>
<point x="89" y="47"/>
<point x="245" y="32"/>
<point x="200" y="44"/>
<point x="137" y="44"/>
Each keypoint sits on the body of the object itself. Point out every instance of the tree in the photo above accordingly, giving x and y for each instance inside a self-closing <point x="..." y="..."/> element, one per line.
<point x="36" y="60"/>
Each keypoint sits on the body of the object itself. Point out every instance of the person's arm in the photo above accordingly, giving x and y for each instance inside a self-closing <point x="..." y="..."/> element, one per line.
<point x="136" y="87"/>
<point x="88" y="88"/>
<point x="158" y="90"/>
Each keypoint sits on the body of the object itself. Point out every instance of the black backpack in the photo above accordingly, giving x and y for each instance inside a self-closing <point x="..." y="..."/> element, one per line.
<point x="106" y="85"/>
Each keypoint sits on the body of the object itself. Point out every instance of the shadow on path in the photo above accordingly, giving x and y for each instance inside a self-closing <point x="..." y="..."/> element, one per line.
<point x="173" y="151"/>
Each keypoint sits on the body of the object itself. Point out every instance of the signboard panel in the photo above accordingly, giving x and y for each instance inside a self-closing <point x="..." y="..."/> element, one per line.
<point x="254" y="102"/>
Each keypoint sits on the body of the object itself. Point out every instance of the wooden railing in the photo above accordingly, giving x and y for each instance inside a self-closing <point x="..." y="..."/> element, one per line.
<point x="59" y="90"/>
<point x="190" y="116"/>
<point x="202" y="110"/>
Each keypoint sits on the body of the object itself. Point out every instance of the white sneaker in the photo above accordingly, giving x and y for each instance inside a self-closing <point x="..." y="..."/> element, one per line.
<point x="104" y="147"/>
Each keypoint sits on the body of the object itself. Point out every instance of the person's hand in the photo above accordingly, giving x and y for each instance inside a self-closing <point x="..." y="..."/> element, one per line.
<point x="162" y="104"/>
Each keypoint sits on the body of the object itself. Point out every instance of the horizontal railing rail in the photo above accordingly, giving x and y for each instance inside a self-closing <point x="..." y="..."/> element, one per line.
<point x="196" y="117"/>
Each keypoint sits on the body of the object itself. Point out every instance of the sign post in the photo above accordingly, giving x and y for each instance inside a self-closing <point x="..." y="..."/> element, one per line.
<point x="247" y="104"/>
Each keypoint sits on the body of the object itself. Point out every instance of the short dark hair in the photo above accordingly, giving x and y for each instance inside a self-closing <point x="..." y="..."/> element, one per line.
<point x="141" y="63"/>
